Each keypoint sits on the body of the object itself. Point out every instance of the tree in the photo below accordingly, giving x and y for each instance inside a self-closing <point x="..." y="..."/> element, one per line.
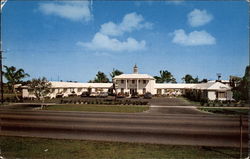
<point x="189" y="79"/>
<point x="165" y="77"/>
<point x="196" y="80"/>
<point x="115" y="72"/>
<point x="204" y="80"/>
<point x="173" y="80"/>
<point x="41" y="87"/>
<point x="14" y="76"/>
<point x="100" y="78"/>
<point x="241" y="92"/>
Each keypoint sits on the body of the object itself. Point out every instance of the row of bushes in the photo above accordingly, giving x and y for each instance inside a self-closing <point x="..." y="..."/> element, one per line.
<point x="224" y="105"/>
<point x="206" y="102"/>
<point x="105" y="102"/>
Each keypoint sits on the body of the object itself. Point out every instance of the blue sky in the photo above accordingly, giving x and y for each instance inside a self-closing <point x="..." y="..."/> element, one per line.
<point x="73" y="40"/>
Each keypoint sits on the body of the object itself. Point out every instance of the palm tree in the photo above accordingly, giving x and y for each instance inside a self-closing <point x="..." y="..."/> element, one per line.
<point x="165" y="76"/>
<point x="115" y="72"/>
<point x="14" y="76"/>
<point x="158" y="79"/>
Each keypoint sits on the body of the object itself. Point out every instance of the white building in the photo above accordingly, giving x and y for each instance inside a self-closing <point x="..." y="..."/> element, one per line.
<point x="140" y="83"/>
<point x="68" y="88"/>
<point x="135" y="82"/>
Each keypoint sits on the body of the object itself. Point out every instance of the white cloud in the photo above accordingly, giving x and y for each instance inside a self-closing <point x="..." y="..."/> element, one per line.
<point x="105" y="43"/>
<point x="199" y="17"/>
<point x="194" y="38"/>
<point x="75" y="11"/>
<point x="103" y="40"/>
<point x="130" y="22"/>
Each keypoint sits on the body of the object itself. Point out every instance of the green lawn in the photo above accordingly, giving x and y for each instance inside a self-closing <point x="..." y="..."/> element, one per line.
<point x="227" y="111"/>
<point x="36" y="148"/>
<point x="189" y="101"/>
<point x="98" y="108"/>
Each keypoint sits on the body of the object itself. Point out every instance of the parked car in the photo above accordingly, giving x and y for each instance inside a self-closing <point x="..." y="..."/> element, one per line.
<point x="147" y="95"/>
<point x="103" y="94"/>
<point x="59" y="95"/>
<point x="85" y="94"/>
<point x="135" y="95"/>
<point x="120" y="95"/>
<point x="72" y="95"/>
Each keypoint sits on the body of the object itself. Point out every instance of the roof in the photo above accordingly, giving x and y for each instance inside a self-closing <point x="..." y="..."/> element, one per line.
<point x="81" y="85"/>
<point x="174" y="85"/>
<point x="212" y="86"/>
<point x="55" y="84"/>
<point x="134" y="76"/>
<point x="222" y="81"/>
<point x="203" y="86"/>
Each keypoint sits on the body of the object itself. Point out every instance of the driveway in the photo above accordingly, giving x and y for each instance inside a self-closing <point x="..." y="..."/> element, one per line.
<point x="167" y="105"/>
<point x="169" y="101"/>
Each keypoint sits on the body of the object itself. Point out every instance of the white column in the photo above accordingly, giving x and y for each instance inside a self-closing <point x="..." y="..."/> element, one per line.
<point x="137" y="85"/>
<point x="126" y="84"/>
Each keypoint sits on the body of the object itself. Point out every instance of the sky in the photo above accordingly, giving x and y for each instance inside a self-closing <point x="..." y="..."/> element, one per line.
<point x="73" y="40"/>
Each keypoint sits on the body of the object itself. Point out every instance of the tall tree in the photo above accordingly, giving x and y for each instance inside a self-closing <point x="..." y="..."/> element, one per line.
<point x="41" y="87"/>
<point x="165" y="77"/>
<point x="188" y="78"/>
<point x="14" y="76"/>
<point x="204" y="80"/>
<point x="100" y="78"/>
<point x="115" y="72"/>
<point x="196" y="80"/>
<point x="242" y="91"/>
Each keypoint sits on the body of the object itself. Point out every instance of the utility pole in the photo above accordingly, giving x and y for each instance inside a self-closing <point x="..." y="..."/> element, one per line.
<point x="1" y="50"/>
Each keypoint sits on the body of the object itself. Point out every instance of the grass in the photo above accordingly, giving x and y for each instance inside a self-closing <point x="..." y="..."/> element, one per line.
<point x="98" y="108"/>
<point x="36" y="148"/>
<point x="227" y="111"/>
<point x="189" y="101"/>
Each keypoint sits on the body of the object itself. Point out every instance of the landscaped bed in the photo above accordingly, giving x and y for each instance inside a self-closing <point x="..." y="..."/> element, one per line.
<point x="227" y="111"/>
<point x="98" y="108"/>
<point x="36" y="148"/>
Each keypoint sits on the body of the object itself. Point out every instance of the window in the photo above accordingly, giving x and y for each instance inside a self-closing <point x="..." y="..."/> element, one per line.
<point x="122" y="81"/>
<point x="158" y="91"/>
<point x="144" y="90"/>
<point x="221" y="95"/>
<point x="31" y="91"/>
<point x="133" y="81"/>
<point x="144" y="81"/>
<point x="79" y="89"/>
<point x="122" y="90"/>
<point x="165" y="90"/>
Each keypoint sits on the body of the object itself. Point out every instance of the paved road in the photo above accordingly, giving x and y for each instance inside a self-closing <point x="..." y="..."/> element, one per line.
<point x="178" y="129"/>
<point x="155" y="109"/>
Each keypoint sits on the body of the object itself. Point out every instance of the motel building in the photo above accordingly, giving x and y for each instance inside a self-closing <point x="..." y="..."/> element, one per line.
<point x="140" y="83"/>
